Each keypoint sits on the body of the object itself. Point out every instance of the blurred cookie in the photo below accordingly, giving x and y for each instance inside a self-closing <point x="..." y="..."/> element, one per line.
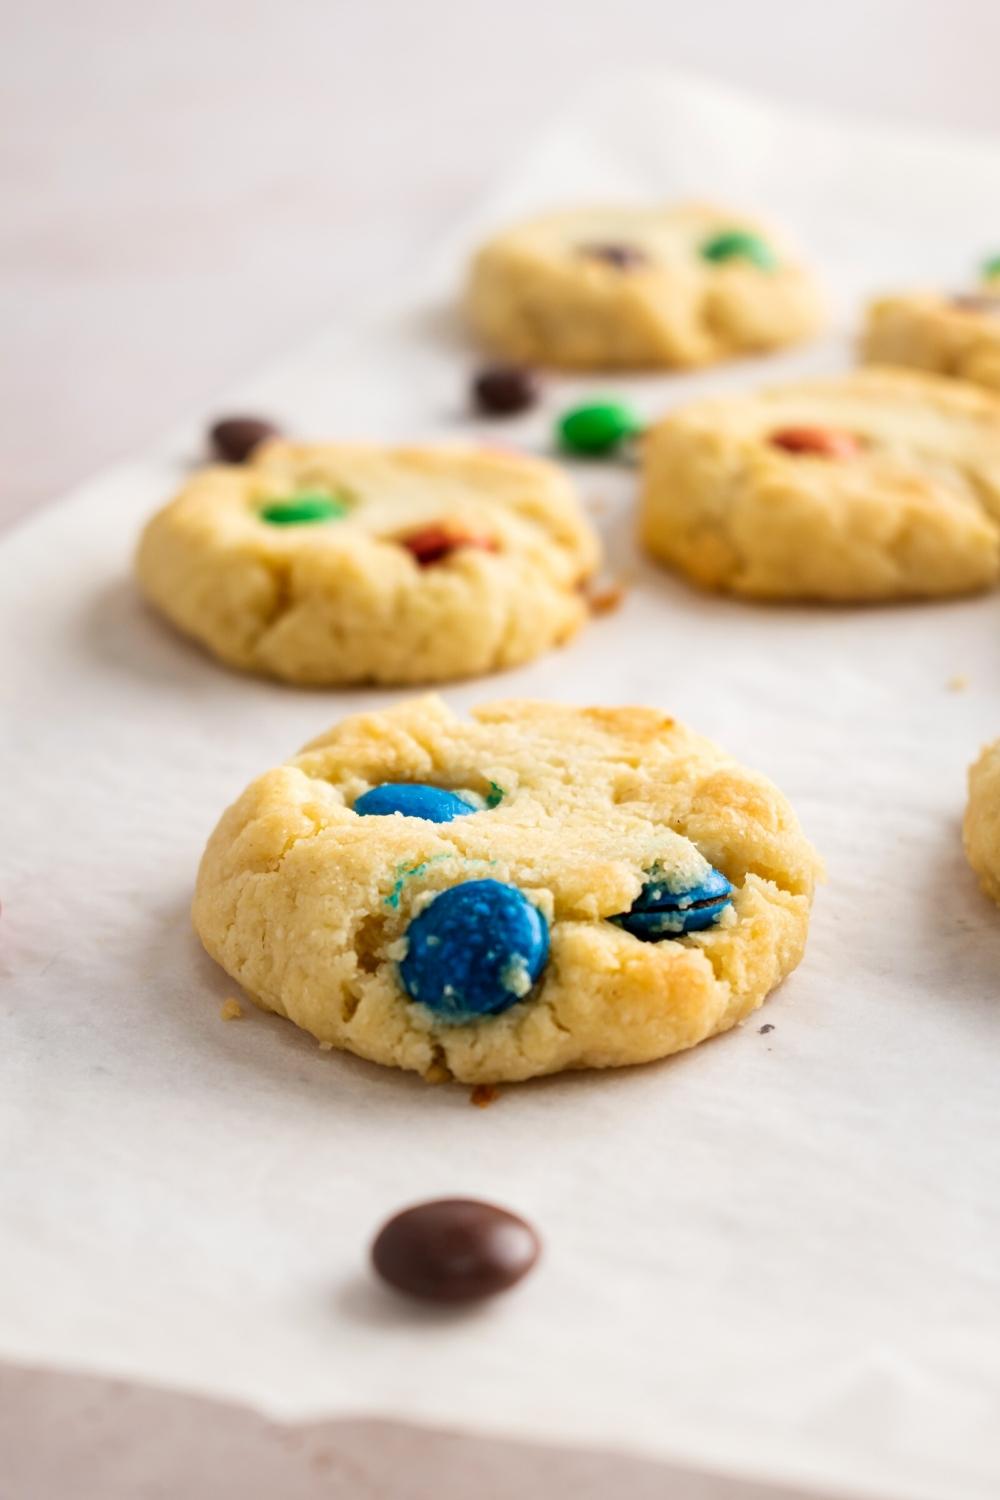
<point x="633" y="288"/>
<point x="956" y="335"/>
<point x="537" y="888"/>
<point x="348" y="564"/>
<point x="981" y="828"/>
<point x="879" y="484"/>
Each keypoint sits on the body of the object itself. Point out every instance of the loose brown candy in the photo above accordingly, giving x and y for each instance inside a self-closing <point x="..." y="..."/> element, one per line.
<point x="454" y="1250"/>
<point x="503" y="390"/>
<point x="233" y="439"/>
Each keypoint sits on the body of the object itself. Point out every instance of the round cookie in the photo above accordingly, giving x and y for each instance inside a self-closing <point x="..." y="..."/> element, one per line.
<point x="981" y="827"/>
<point x="350" y="563"/>
<point x="879" y="484"/>
<point x="618" y="889"/>
<point x="634" y="288"/>
<point x="949" y="335"/>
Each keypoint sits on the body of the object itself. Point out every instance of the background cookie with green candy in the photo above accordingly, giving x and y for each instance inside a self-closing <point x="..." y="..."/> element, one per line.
<point x="878" y="484"/>
<point x="534" y="889"/>
<point x="340" y="563"/>
<point x="627" y="287"/>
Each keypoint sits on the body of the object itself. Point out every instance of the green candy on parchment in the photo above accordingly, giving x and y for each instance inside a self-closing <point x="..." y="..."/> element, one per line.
<point x="600" y="427"/>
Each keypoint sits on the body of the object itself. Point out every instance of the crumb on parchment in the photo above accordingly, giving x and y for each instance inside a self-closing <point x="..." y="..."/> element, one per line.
<point x="605" y="600"/>
<point x="958" y="683"/>
<point x="484" y="1094"/>
<point x="231" y="1010"/>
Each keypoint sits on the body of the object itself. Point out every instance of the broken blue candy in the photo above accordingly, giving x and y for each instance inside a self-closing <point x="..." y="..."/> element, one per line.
<point x="475" y="950"/>
<point x="414" y="800"/>
<point x="659" y="912"/>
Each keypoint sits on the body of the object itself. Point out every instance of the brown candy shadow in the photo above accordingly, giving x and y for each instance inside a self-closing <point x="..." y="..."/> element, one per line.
<point x="367" y="1302"/>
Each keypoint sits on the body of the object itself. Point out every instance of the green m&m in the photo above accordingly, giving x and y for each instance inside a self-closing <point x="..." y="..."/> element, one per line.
<point x="739" y="244"/>
<point x="303" y="509"/>
<point x="599" y="427"/>
<point x="990" y="268"/>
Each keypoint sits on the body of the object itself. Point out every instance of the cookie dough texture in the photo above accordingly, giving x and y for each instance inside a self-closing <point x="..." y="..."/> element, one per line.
<point x="536" y="294"/>
<point x="306" y="904"/>
<point x="929" y="331"/>
<point x="914" y="513"/>
<point x="343" y="601"/>
<point x="981" y="828"/>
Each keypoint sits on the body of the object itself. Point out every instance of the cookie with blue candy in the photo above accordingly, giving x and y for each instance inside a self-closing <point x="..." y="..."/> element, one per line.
<point x="536" y="888"/>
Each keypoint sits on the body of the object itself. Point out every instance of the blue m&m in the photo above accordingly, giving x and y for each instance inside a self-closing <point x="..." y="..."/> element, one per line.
<point x="475" y="950"/>
<point x="413" y="799"/>
<point x="659" y="911"/>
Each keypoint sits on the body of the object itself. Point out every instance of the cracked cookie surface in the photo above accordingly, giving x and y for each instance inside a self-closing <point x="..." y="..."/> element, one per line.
<point x="307" y="904"/>
<point x="958" y="335"/>
<point x="376" y="565"/>
<point x="632" y="288"/>
<point x="981" y="826"/>
<point x="879" y="484"/>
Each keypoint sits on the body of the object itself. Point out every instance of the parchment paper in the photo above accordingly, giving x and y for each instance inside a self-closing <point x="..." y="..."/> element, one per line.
<point x="776" y="1255"/>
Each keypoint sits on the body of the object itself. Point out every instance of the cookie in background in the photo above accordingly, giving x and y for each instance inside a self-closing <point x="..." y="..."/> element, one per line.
<point x="669" y="287"/>
<point x="350" y="563"/>
<point x="878" y="484"/>
<point x="949" y="333"/>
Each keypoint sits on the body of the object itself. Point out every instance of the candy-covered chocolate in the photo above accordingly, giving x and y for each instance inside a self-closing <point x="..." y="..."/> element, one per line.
<point x="622" y="257"/>
<point x="475" y="950"/>
<point x="234" y="439"/>
<point x="454" y="1250"/>
<point x="817" y="442"/>
<point x="413" y="799"/>
<point x="303" y="509"/>
<point x="433" y="543"/>
<point x="503" y="390"/>
<point x="598" y="427"/>
<point x="739" y="244"/>
<point x="662" y="911"/>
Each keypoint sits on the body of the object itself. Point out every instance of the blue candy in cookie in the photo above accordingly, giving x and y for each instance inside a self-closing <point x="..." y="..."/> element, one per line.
<point x="659" y="911"/>
<point x="414" y="800"/>
<point x="475" y="950"/>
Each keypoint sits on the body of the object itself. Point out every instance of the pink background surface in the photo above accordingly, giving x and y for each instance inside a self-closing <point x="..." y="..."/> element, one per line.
<point x="187" y="188"/>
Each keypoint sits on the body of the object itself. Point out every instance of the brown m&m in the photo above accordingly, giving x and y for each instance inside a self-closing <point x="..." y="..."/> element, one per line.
<point x="620" y="257"/>
<point x="454" y="1250"/>
<point x="503" y="390"/>
<point x="233" y="439"/>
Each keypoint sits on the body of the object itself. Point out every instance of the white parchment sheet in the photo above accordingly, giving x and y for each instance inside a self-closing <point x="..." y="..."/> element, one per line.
<point x="776" y="1255"/>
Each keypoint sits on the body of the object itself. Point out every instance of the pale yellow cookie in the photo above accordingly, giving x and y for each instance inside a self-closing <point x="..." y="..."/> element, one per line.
<point x="308" y="904"/>
<point x="981" y="828"/>
<point x="878" y="484"/>
<point x="420" y="564"/>
<point x="958" y="335"/>
<point x="632" y="288"/>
